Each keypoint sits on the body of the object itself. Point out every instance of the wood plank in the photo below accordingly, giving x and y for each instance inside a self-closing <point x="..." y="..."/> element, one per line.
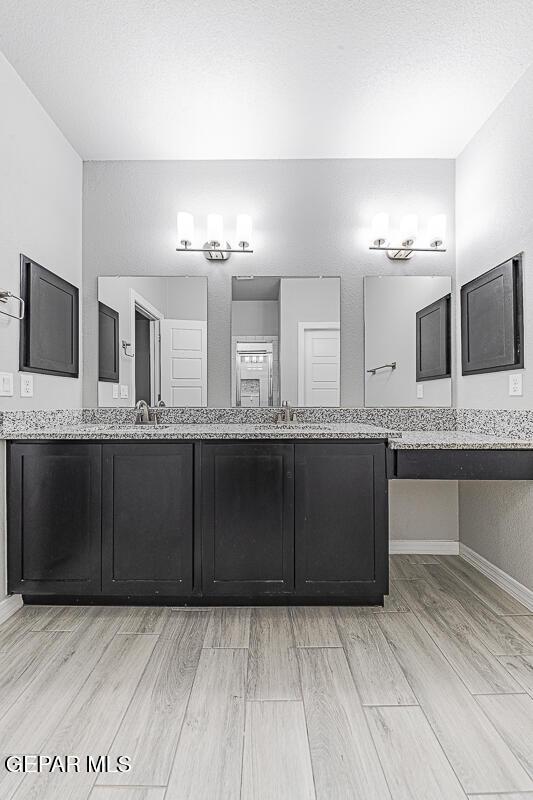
<point x="23" y="663"/>
<point x="148" y="619"/>
<point x="314" y="626"/>
<point x="276" y="761"/>
<point x="450" y="628"/>
<point x="521" y="668"/>
<point x="493" y="630"/>
<point x="523" y="625"/>
<point x="405" y="741"/>
<point x="128" y="793"/>
<point x="208" y="759"/>
<point x="506" y="796"/>
<point x="343" y="754"/>
<point x="228" y="627"/>
<point x="61" y="618"/>
<point x="512" y="716"/>
<point x="150" y="730"/>
<point x="376" y="673"/>
<point x="272" y="665"/>
<point x="90" y="723"/>
<point x="27" y="619"/>
<point x="405" y="568"/>
<point x="41" y="707"/>
<point x="392" y="603"/>
<point x="499" y="601"/>
<point x="480" y="758"/>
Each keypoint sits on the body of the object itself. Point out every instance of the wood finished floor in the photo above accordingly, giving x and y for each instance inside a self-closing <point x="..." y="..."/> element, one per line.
<point x="429" y="698"/>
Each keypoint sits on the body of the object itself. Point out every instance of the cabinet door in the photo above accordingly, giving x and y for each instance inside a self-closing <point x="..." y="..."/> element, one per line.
<point x="341" y="519"/>
<point x="248" y="518"/>
<point x="147" y="519"/>
<point x="54" y="518"/>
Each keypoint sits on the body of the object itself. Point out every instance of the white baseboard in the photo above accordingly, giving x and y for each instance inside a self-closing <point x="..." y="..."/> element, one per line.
<point x="9" y="605"/>
<point x="498" y="576"/>
<point x="435" y="547"/>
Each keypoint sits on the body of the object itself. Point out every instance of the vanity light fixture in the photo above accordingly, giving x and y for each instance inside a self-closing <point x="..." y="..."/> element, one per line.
<point x="408" y="236"/>
<point x="216" y="248"/>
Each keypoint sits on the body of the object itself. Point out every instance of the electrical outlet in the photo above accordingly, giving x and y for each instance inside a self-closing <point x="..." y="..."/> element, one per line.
<point x="515" y="385"/>
<point x="115" y="390"/>
<point x="26" y="385"/>
<point x="124" y="390"/>
<point x="6" y="384"/>
<point x="419" y="391"/>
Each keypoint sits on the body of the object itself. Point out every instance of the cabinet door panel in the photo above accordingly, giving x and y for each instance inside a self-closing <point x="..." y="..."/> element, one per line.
<point x="148" y="519"/>
<point x="248" y="518"/>
<point x="341" y="519"/>
<point x="54" y="518"/>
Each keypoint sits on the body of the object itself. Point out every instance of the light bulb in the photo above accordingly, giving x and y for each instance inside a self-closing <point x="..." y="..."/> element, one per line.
<point x="244" y="230"/>
<point x="437" y="230"/>
<point x="215" y="229"/>
<point x="185" y="228"/>
<point x="380" y="229"/>
<point x="409" y="229"/>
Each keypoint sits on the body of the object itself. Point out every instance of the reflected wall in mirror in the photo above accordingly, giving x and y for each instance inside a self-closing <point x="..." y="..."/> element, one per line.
<point x="285" y="341"/>
<point x="161" y="341"/>
<point x="407" y="341"/>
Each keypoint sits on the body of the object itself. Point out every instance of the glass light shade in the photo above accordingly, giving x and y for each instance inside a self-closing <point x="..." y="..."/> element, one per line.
<point x="437" y="230"/>
<point x="215" y="228"/>
<point x="409" y="228"/>
<point x="244" y="230"/>
<point x="380" y="229"/>
<point x="185" y="228"/>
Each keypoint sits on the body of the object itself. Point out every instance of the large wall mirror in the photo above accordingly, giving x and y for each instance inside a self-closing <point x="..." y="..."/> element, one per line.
<point x="152" y="341"/>
<point x="285" y="341"/>
<point x="407" y="341"/>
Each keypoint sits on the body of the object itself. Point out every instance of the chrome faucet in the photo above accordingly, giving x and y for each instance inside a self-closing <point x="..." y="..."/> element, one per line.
<point x="287" y="414"/>
<point x="142" y="413"/>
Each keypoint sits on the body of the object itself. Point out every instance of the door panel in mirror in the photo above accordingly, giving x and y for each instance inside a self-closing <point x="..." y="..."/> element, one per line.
<point x="285" y="341"/>
<point x="162" y="330"/>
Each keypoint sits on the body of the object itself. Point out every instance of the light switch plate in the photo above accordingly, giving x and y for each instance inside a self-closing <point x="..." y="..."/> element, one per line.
<point x="26" y="385"/>
<point x="124" y="390"/>
<point x="6" y="384"/>
<point x="419" y="391"/>
<point x="115" y="390"/>
<point x="515" y="385"/>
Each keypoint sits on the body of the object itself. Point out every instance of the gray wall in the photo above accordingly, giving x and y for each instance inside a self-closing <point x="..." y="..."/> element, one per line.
<point x="391" y="305"/>
<point x="310" y="218"/>
<point x="423" y="510"/>
<point x="255" y="318"/>
<point x="494" y="211"/>
<point x="40" y="212"/>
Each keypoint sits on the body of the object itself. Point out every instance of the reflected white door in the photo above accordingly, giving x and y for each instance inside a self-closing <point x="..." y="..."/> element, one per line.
<point x="184" y="362"/>
<point x="318" y="365"/>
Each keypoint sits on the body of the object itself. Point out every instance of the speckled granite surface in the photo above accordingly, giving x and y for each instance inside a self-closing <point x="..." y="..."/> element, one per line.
<point x="499" y="422"/>
<point x="457" y="440"/>
<point x="409" y="428"/>
<point x="396" y="418"/>
<point x="232" y="431"/>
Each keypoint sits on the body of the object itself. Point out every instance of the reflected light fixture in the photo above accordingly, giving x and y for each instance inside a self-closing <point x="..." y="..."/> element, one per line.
<point x="216" y="248"/>
<point x="436" y="234"/>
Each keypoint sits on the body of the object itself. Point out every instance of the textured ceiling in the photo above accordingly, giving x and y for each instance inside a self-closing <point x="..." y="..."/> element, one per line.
<point x="135" y="79"/>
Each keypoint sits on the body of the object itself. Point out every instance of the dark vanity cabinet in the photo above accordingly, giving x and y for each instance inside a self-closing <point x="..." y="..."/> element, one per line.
<point x="341" y="513"/>
<point x="204" y="522"/>
<point x="54" y="518"/>
<point x="248" y="518"/>
<point x="147" y="519"/>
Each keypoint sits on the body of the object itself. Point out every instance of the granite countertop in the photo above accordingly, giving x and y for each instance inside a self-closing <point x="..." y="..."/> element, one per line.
<point x="293" y="430"/>
<point x="456" y="440"/>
